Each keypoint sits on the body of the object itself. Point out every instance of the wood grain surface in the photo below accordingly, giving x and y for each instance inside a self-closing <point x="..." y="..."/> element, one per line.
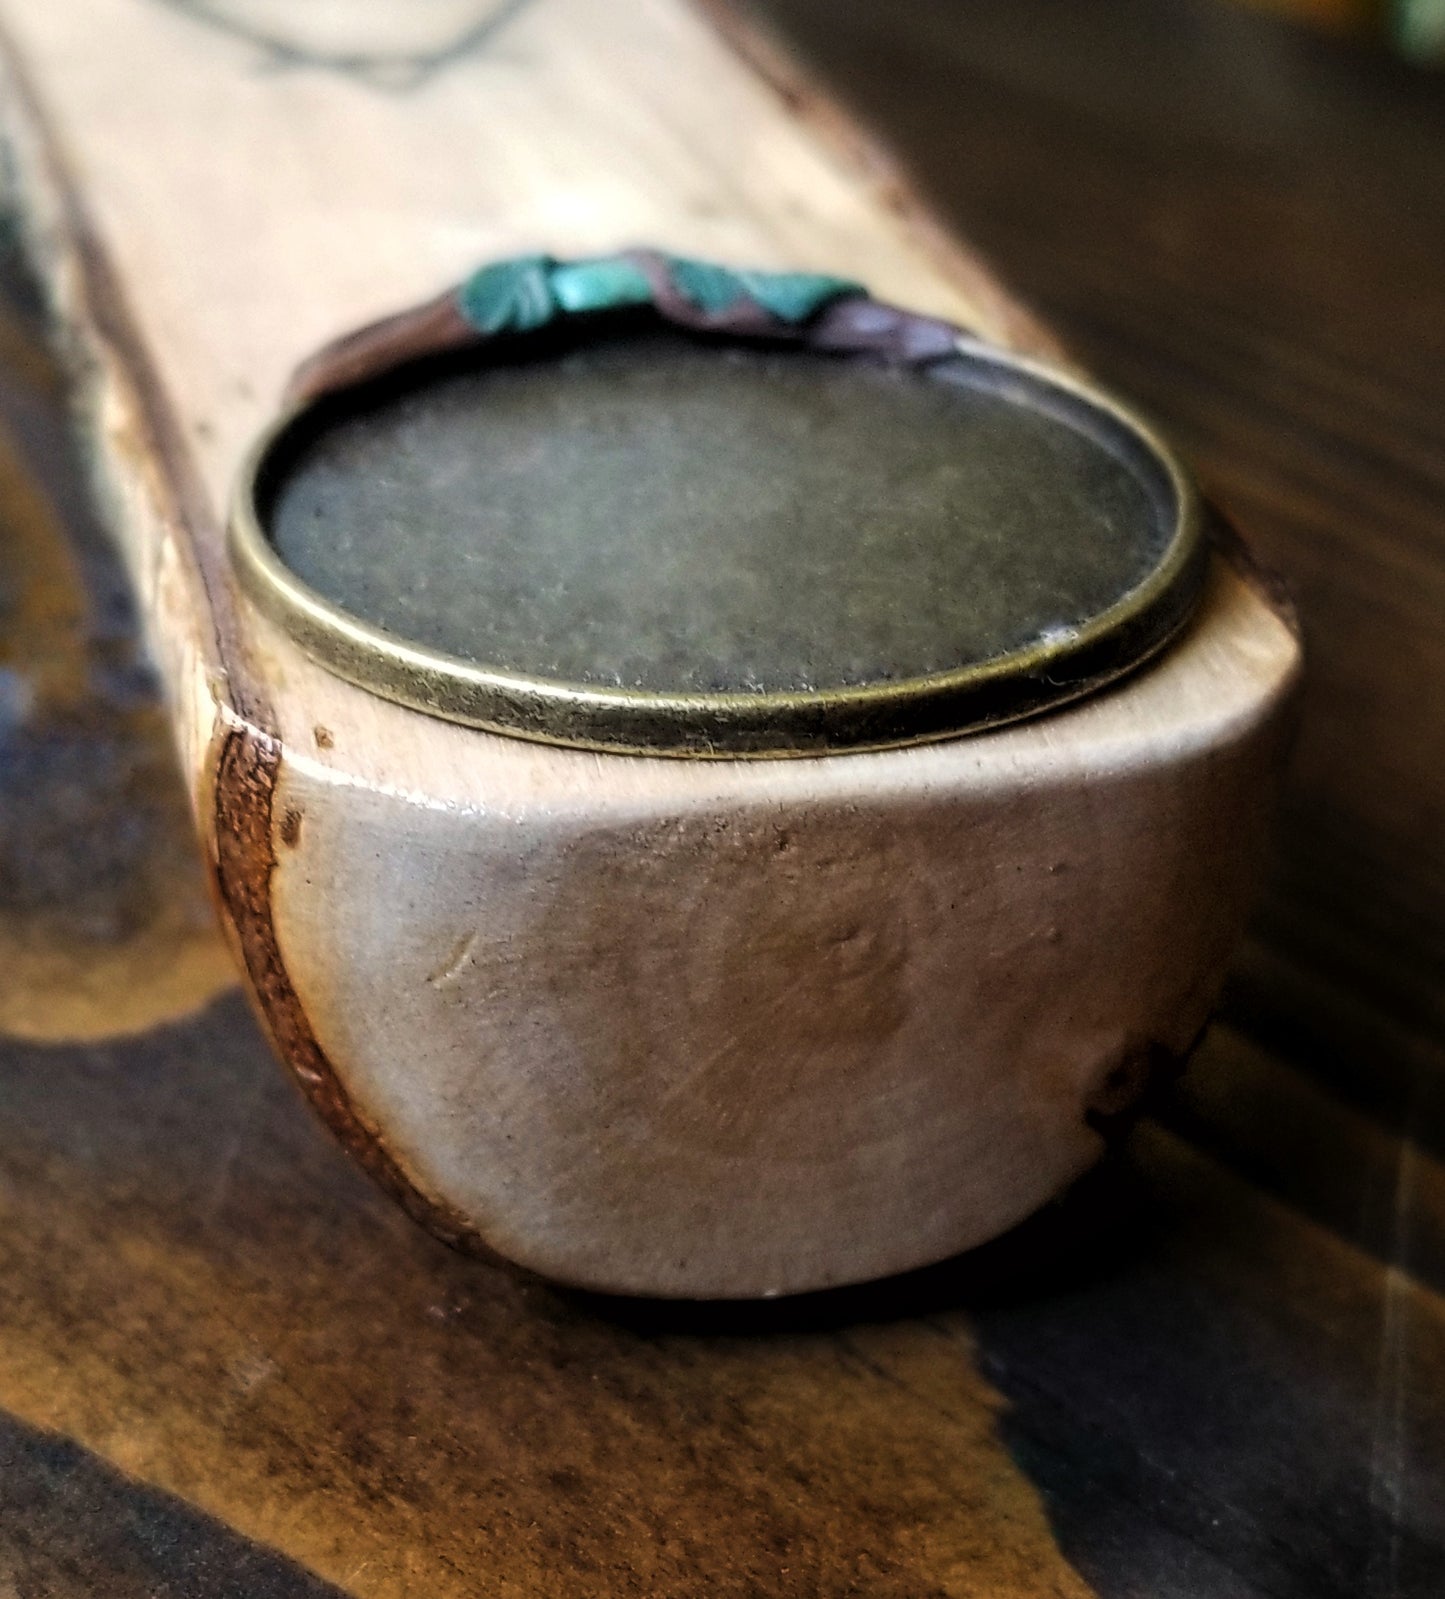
<point x="1217" y="1368"/>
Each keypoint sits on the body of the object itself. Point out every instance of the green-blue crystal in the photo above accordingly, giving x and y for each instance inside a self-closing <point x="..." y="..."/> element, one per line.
<point x="510" y="296"/>
<point x="607" y="284"/>
<point x="710" y="288"/>
<point x="789" y="296"/>
<point x="796" y="296"/>
<point x="527" y="293"/>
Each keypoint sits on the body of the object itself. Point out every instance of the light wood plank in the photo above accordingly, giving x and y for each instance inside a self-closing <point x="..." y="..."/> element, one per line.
<point x="459" y="941"/>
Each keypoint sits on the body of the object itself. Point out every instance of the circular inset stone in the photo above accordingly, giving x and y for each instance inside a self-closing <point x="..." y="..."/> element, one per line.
<point x="684" y="536"/>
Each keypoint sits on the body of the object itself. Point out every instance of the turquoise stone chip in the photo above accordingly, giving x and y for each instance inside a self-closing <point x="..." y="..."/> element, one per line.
<point x="510" y="296"/>
<point x="604" y="285"/>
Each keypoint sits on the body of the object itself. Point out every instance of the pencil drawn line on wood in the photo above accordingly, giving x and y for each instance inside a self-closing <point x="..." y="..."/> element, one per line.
<point x="397" y="47"/>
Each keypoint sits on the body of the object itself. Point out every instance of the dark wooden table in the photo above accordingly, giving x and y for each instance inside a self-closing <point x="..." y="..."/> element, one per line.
<point x="227" y="1366"/>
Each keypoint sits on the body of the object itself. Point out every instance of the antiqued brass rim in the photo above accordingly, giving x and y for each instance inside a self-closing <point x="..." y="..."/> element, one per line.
<point x="875" y="716"/>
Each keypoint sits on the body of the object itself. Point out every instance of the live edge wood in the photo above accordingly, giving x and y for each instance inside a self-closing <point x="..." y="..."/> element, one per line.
<point x="699" y="1029"/>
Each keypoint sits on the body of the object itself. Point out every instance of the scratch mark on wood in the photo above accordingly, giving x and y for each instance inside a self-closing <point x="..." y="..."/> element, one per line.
<point x="449" y="973"/>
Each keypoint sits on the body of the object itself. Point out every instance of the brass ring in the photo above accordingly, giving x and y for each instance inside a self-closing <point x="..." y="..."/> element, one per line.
<point x="1018" y="683"/>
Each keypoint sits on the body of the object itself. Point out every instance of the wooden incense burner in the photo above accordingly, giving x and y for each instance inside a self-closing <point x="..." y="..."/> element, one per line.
<point x="720" y="786"/>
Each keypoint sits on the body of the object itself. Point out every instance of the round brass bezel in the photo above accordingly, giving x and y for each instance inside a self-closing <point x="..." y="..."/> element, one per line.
<point x="873" y="716"/>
